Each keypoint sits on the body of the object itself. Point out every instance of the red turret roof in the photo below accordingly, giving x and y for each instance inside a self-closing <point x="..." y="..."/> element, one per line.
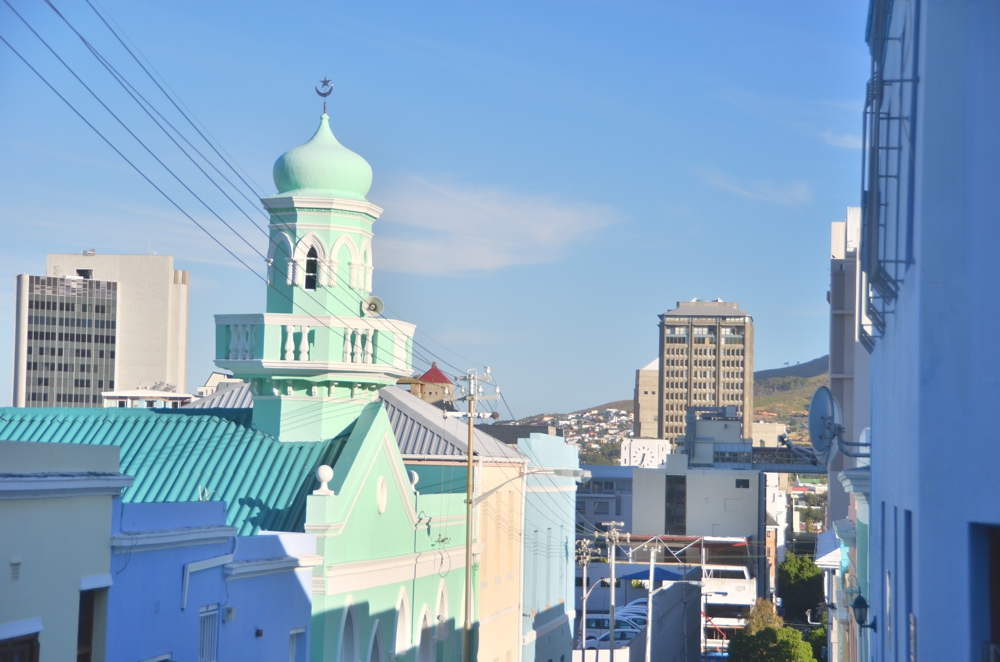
<point x="435" y="376"/>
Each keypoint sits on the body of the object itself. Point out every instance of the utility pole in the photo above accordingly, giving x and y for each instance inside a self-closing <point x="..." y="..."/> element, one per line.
<point x="612" y="536"/>
<point x="649" y="603"/>
<point x="703" y="603"/>
<point x="584" y="555"/>
<point x="475" y="393"/>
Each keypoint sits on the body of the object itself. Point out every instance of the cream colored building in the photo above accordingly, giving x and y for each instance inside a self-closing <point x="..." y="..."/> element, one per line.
<point x="645" y="400"/>
<point x="850" y="362"/>
<point x="55" y="518"/>
<point x="499" y="531"/>
<point x="152" y="313"/>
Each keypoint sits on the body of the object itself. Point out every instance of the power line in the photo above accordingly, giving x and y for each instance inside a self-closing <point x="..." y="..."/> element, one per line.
<point x="126" y="86"/>
<point x="133" y="93"/>
<point x="145" y="177"/>
<point x="233" y="168"/>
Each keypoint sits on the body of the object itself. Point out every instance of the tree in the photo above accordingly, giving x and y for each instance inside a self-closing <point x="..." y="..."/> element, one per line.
<point x="817" y="637"/>
<point x="609" y="453"/>
<point x="770" y="645"/>
<point x="815" y="499"/>
<point x="800" y="585"/>
<point x="762" y="615"/>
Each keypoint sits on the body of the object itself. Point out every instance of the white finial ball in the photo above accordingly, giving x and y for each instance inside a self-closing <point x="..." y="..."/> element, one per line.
<point x="324" y="473"/>
<point x="414" y="477"/>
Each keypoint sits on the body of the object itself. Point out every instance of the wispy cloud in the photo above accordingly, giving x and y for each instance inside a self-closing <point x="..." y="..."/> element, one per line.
<point x="850" y="141"/>
<point x="801" y="115"/>
<point x="792" y="193"/>
<point x="445" y="228"/>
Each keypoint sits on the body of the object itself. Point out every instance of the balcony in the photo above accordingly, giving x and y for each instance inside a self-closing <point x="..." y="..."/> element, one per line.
<point x="257" y="343"/>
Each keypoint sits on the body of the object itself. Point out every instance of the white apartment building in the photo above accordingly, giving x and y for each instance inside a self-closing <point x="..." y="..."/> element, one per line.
<point x="99" y="323"/>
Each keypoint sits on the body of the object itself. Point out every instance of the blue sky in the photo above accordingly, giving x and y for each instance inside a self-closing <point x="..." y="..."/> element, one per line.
<point x="554" y="174"/>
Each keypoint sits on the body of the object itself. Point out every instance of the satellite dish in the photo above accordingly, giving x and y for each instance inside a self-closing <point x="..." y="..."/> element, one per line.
<point x="824" y="423"/>
<point x="372" y="306"/>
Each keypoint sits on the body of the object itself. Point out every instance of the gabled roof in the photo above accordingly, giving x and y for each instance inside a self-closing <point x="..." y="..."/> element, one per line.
<point x="420" y="428"/>
<point x="652" y="365"/>
<point x="176" y="454"/>
<point x="435" y="376"/>
<point x="234" y="397"/>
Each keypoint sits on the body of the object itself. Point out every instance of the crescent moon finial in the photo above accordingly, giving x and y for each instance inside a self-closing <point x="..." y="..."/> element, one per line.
<point x="328" y="86"/>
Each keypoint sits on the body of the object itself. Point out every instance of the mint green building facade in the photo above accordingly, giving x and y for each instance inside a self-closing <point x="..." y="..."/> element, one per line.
<point x="390" y="585"/>
<point x="392" y="580"/>
<point x="317" y="356"/>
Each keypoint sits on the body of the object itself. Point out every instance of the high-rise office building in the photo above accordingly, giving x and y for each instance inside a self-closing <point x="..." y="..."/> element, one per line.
<point x="706" y="360"/>
<point x="98" y="323"/>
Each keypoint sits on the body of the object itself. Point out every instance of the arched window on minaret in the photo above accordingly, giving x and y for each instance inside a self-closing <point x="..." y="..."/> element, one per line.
<point x="312" y="268"/>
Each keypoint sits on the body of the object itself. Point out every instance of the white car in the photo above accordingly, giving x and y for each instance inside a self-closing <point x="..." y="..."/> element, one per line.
<point x="631" y="613"/>
<point x="636" y="619"/>
<point x="622" y="639"/>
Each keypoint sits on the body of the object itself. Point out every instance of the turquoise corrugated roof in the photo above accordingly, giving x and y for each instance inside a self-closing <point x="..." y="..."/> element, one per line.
<point x="263" y="481"/>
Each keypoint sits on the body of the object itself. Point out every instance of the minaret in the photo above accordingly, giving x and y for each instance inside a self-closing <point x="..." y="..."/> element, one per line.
<point x="316" y="357"/>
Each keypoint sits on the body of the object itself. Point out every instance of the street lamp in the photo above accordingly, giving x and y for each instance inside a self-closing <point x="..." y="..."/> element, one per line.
<point x="860" y="608"/>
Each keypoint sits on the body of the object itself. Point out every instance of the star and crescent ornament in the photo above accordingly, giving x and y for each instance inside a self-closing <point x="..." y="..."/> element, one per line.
<point x="327" y="87"/>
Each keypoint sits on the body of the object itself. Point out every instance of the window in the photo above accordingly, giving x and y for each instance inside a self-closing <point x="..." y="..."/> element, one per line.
<point x="85" y="627"/>
<point x="297" y="645"/>
<point x="23" y="649"/>
<point x="208" y="636"/>
<point x="743" y="483"/>
<point x="581" y="507"/>
<point x="312" y="267"/>
<point x="602" y="508"/>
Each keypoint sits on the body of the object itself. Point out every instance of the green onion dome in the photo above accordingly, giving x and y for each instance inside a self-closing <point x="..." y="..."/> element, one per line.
<point x="323" y="168"/>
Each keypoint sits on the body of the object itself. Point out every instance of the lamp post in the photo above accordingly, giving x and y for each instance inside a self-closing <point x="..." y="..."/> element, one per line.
<point x="860" y="608"/>
<point x="584" y="555"/>
<point x="583" y="623"/>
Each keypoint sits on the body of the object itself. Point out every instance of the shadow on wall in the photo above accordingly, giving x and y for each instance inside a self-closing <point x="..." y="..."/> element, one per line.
<point x="379" y="636"/>
<point x="553" y="635"/>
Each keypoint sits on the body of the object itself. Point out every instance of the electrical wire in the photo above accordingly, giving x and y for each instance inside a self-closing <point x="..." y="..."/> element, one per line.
<point x="173" y="202"/>
<point x="134" y="93"/>
<point x="399" y="340"/>
<point x="233" y="168"/>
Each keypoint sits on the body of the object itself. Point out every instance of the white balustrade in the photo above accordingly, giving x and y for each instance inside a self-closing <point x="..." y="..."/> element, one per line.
<point x="347" y="345"/>
<point x="234" y="341"/>
<point x="241" y="338"/>
<point x="304" y="344"/>
<point x="289" y="343"/>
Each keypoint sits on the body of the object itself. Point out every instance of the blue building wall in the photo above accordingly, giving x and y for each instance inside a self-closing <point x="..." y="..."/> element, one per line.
<point x="606" y="496"/>
<point x="549" y="550"/>
<point x="145" y="614"/>
<point x="935" y="368"/>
